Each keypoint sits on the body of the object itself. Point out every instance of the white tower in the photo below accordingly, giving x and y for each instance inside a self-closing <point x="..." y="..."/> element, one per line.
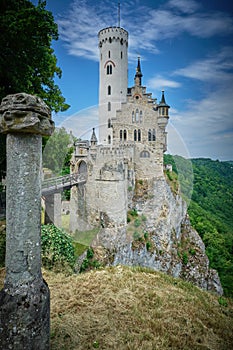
<point x="113" y="77"/>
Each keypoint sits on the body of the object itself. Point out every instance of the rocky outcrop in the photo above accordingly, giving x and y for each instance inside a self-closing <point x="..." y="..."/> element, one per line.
<point x="159" y="236"/>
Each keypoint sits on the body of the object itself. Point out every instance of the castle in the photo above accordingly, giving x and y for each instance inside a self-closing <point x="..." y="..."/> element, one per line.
<point x="124" y="175"/>
<point x="132" y="139"/>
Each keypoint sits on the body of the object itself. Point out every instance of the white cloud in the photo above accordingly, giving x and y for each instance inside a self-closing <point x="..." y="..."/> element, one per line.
<point x="185" y="6"/>
<point x="213" y="68"/>
<point x="206" y="126"/>
<point x="79" y="26"/>
<point x="159" y="83"/>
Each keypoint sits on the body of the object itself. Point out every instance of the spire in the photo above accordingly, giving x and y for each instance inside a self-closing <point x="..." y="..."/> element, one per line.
<point x="119" y="14"/>
<point x="162" y="103"/>
<point x="138" y="75"/>
<point x="93" y="138"/>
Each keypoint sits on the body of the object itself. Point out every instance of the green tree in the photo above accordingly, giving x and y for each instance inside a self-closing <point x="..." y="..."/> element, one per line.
<point x="27" y="61"/>
<point x="57" y="152"/>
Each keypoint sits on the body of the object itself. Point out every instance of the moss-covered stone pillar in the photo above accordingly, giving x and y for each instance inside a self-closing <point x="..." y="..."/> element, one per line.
<point x="24" y="300"/>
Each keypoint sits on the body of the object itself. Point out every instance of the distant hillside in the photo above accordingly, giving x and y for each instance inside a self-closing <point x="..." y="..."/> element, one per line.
<point x="131" y="308"/>
<point x="211" y="209"/>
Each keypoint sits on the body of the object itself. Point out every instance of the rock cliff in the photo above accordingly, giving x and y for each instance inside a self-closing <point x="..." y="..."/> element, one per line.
<point x="159" y="236"/>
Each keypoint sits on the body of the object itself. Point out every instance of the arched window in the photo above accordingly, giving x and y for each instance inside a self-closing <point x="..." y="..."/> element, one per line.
<point x="109" y="139"/>
<point x="139" y="135"/>
<point x="125" y="135"/>
<point x="82" y="167"/>
<point x="109" y="106"/>
<point x="144" y="154"/>
<point x="137" y="116"/>
<point x="140" y="116"/>
<point x="153" y="135"/>
<point x="109" y="69"/>
<point x="120" y="135"/>
<point x="135" y="135"/>
<point x="109" y="90"/>
<point x="149" y="135"/>
<point x="133" y="119"/>
<point x="109" y="123"/>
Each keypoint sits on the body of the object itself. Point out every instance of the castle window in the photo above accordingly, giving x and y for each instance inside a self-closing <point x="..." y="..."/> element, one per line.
<point x="110" y="40"/>
<point x="109" y="139"/>
<point x="135" y="135"/>
<point x="163" y="111"/>
<point x="140" y="116"/>
<point x="109" y="106"/>
<point x="121" y="135"/>
<point x="153" y="135"/>
<point x="149" y="135"/>
<point x="144" y="154"/>
<point x="121" y="54"/>
<point x="133" y="119"/>
<point x="122" y="41"/>
<point x="109" y="90"/>
<point x="139" y="135"/>
<point x="125" y="135"/>
<point x="109" y="54"/>
<point x="109" y="123"/>
<point x="137" y="116"/>
<point x="109" y="69"/>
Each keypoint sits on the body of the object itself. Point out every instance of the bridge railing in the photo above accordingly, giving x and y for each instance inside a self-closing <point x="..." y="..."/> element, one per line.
<point x="58" y="183"/>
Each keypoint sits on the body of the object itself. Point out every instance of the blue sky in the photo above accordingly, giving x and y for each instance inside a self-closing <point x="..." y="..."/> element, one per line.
<point x="186" y="48"/>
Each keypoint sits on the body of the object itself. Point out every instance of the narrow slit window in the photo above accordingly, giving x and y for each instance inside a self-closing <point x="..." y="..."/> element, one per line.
<point x="120" y="135"/>
<point x="137" y="116"/>
<point x="139" y="135"/>
<point x="109" y="90"/>
<point x="153" y="135"/>
<point x="149" y="135"/>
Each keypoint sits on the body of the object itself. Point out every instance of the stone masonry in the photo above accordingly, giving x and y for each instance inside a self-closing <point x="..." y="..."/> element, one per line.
<point x="24" y="300"/>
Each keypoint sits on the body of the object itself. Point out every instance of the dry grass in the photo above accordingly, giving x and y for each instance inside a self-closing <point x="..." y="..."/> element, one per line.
<point x="123" y="308"/>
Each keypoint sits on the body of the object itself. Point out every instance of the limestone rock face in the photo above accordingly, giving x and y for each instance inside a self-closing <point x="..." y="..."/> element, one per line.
<point x="165" y="240"/>
<point x="25" y="113"/>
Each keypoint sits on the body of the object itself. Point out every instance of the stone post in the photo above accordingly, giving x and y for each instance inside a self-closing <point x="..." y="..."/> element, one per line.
<point x="25" y="299"/>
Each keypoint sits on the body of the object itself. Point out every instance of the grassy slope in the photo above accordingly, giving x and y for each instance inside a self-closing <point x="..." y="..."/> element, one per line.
<point x="125" y="308"/>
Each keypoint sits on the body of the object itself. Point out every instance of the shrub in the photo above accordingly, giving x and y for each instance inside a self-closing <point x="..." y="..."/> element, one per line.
<point x="133" y="212"/>
<point x="185" y="258"/>
<point x="137" y="222"/>
<point x="57" y="248"/>
<point x="144" y="218"/>
<point x="136" y="236"/>
<point x="148" y="245"/>
<point x="146" y="235"/>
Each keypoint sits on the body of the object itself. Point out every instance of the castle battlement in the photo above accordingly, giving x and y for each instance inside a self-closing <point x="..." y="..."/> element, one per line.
<point x="113" y="33"/>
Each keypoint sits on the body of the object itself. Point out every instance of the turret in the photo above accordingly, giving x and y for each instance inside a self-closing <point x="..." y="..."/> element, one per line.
<point x="163" y="107"/>
<point x="93" y="140"/>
